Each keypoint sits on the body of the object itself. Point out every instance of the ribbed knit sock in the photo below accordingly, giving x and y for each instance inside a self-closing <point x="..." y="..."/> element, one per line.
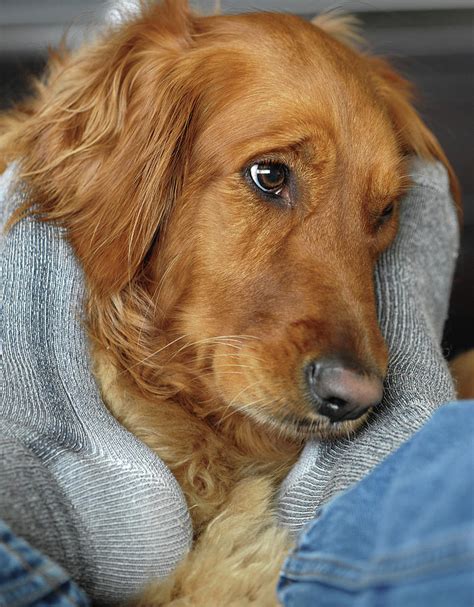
<point x="413" y="282"/>
<point x="74" y="482"/>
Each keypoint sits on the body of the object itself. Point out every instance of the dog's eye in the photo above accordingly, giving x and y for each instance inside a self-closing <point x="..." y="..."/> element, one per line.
<point x="386" y="213"/>
<point x="269" y="177"/>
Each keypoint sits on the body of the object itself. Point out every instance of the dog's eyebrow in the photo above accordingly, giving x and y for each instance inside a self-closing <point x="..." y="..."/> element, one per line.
<point x="293" y="147"/>
<point x="386" y="188"/>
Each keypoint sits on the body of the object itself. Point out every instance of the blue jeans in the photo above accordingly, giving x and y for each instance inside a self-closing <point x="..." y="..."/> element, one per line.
<point x="403" y="536"/>
<point x="28" y="578"/>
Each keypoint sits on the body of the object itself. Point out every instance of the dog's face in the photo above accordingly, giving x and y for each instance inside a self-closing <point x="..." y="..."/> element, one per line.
<point x="291" y="196"/>
<point x="228" y="184"/>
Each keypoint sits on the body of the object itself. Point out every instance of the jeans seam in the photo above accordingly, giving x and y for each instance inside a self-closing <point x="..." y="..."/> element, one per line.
<point x="445" y="543"/>
<point x="371" y="578"/>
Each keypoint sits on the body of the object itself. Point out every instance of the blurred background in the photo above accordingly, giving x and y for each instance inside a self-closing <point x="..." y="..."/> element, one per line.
<point x="429" y="41"/>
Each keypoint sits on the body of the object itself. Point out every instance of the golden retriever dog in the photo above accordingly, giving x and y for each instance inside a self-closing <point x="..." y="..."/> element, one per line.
<point x="227" y="183"/>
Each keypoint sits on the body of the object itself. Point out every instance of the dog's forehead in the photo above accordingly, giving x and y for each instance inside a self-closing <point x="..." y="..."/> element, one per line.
<point x="279" y="52"/>
<point x="287" y="94"/>
<point x="277" y="80"/>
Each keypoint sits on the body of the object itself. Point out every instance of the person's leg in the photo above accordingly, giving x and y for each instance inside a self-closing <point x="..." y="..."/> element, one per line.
<point x="30" y="579"/>
<point x="403" y="536"/>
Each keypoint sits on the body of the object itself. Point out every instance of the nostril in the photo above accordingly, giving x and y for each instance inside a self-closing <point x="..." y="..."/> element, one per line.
<point x="337" y="402"/>
<point x="341" y="391"/>
<point x="332" y="408"/>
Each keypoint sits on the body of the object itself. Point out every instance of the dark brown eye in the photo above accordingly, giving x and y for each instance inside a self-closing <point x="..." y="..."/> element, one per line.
<point x="386" y="213"/>
<point x="271" y="178"/>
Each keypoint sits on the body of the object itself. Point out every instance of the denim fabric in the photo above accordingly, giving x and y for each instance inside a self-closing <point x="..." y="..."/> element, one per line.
<point x="29" y="579"/>
<point x="403" y="536"/>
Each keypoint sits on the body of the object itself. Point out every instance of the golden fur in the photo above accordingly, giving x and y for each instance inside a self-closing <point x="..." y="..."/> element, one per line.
<point x="205" y="301"/>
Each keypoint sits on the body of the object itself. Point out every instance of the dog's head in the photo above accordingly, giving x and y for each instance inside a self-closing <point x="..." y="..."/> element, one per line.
<point x="228" y="183"/>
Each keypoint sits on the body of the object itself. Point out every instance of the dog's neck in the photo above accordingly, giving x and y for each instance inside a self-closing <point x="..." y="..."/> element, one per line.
<point x="207" y="453"/>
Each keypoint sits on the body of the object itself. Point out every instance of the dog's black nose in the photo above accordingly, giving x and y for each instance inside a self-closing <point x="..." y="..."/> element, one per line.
<point x="341" y="391"/>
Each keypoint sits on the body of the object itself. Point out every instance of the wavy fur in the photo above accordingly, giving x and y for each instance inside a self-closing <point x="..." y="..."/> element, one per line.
<point x="205" y="302"/>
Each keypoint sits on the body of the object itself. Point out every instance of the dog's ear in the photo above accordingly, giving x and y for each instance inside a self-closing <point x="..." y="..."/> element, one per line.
<point x="414" y="136"/>
<point x="106" y="149"/>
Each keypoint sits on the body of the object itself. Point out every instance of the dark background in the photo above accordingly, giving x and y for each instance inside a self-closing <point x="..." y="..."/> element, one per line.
<point x="433" y="47"/>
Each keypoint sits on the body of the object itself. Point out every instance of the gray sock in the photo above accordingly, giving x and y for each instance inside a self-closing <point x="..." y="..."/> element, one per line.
<point x="74" y="482"/>
<point x="413" y="282"/>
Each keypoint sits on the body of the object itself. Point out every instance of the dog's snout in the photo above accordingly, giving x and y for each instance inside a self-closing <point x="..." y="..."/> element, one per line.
<point x="340" y="391"/>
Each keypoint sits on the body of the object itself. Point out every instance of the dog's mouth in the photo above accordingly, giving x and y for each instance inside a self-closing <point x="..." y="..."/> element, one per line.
<point x="331" y="399"/>
<point x="321" y="427"/>
<point x="312" y="426"/>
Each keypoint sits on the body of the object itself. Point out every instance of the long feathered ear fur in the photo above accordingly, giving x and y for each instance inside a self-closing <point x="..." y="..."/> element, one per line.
<point x="415" y="137"/>
<point x="397" y="93"/>
<point x="104" y="145"/>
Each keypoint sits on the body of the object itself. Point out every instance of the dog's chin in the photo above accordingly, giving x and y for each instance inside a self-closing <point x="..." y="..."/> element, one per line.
<point x="310" y="427"/>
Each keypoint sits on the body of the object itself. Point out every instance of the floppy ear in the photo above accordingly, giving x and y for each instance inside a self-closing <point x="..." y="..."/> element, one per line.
<point x="415" y="137"/>
<point x="105" y="152"/>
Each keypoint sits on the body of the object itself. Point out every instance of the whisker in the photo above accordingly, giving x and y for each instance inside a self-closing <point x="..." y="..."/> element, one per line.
<point x="237" y="396"/>
<point x="156" y="352"/>
<point x="240" y="409"/>
<point x="216" y="338"/>
<point x="249" y="358"/>
<point x="240" y="366"/>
